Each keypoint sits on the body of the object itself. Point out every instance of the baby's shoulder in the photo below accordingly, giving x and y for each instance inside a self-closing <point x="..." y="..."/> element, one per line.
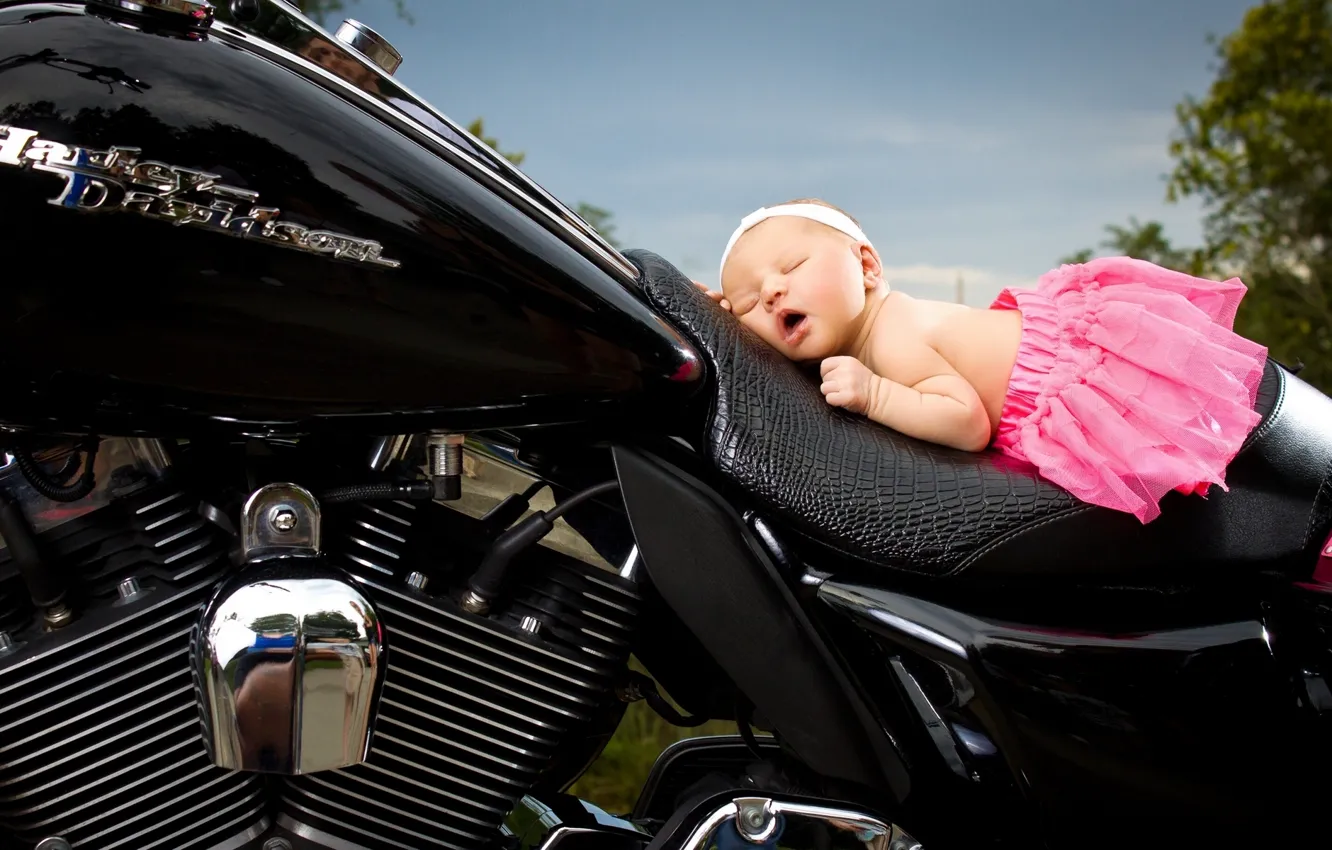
<point x="906" y="317"/>
<point x="901" y="328"/>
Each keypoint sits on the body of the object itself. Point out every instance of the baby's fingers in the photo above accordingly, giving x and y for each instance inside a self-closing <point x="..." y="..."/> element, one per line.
<point x="839" y="398"/>
<point x="833" y="364"/>
<point x="715" y="295"/>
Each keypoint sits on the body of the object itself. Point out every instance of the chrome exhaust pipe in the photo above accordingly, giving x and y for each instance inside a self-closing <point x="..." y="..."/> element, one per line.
<point x="767" y="822"/>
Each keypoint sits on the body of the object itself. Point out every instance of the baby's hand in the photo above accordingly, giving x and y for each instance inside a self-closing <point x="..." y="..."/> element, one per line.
<point x="715" y="296"/>
<point x="846" y="383"/>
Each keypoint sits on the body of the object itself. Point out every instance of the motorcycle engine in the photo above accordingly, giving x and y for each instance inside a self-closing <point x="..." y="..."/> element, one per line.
<point x="100" y="732"/>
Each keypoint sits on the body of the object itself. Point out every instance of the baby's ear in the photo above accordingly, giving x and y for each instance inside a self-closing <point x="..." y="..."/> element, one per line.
<point x="870" y="264"/>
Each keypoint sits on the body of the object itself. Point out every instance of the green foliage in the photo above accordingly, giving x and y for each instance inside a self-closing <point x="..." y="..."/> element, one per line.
<point x="614" y="780"/>
<point x="1146" y="241"/>
<point x="1077" y="257"/>
<point x="599" y="219"/>
<point x="478" y="128"/>
<point x="1257" y="151"/>
<point x="319" y="10"/>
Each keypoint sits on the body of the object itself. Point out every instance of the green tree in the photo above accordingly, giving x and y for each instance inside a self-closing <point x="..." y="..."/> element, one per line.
<point x="598" y="218"/>
<point x="1146" y="241"/>
<point x="478" y="128"/>
<point x="1077" y="257"/>
<point x="1257" y="150"/>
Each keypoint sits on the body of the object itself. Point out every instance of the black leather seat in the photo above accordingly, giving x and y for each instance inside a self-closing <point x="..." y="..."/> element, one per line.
<point x="869" y="493"/>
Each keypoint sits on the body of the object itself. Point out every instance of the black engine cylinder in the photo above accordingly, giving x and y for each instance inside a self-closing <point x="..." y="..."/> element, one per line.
<point x="474" y="710"/>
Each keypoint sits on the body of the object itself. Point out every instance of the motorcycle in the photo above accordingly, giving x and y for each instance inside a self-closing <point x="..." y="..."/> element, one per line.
<point x="265" y="312"/>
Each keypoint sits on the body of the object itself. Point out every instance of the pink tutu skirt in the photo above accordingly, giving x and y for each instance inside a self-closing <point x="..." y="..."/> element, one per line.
<point x="1129" y="382"/>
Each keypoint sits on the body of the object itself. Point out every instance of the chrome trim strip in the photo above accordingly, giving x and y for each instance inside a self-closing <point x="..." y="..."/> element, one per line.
<point x="518" y="188"/>
<point x="755" y="820"/>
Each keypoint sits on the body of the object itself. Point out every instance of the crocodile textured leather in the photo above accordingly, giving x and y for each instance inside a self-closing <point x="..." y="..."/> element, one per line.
<point x="850" y="485"/>
<point x="838" y="478"/>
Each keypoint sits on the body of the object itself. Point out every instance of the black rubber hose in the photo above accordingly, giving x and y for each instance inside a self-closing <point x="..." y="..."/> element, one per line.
<point x="412" y="490"/>
<point x="45" y="585"/>
<point x="52" y="489"/>
<point x="670" y="715"/>
<point x="510" y="510"/>
<point x="644" y="686"/>
<point x="582" y="496"/>
<point x="489" y="577"/>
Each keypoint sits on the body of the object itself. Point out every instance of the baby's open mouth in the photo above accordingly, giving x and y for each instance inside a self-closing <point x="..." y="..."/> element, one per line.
<point x="793" y="325"/>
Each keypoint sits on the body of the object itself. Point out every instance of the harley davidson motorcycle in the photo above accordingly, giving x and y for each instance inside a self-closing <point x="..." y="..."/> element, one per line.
<point x="265" y="313"/>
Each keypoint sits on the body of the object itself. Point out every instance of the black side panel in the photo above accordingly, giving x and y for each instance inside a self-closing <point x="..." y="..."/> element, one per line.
<point x="703" y="562"/>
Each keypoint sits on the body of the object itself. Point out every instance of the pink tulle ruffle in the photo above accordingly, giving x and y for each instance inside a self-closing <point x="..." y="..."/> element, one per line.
<point x="1129" y="382"/>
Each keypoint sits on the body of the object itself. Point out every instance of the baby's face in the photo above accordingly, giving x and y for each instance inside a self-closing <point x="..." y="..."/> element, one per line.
<point x="800" y="286"/>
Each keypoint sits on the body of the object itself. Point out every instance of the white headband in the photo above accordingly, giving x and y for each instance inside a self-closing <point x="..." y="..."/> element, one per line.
<point x="814" y="212"/>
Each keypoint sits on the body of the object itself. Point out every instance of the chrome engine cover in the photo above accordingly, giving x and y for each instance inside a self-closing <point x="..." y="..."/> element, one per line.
<point x="474" y="709"/>
<point x="289" y="654"/>
<point x="101" y="742"/>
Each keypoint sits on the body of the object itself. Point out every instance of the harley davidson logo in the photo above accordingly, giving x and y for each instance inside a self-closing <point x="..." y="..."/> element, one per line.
<point x="118" y="180"/>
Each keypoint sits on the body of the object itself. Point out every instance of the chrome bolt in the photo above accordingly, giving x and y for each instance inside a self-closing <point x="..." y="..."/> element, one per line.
<point x="446" y="454"/>
<point x="417" y="580"/>
<point x="530" y="624"/>
<point x="58" y="616"/>
<point x="754" y="819"/>
<point x="6" y="642"/>
<point x="277" y="844"/>
<point x="283" y="519"/>
<point x="53" y="843"/>
<point x="128" y="587"/>
<point x="474" y="604"/>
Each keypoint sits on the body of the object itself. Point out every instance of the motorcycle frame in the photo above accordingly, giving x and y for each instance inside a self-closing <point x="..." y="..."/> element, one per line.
<point x="1180" y="723"/>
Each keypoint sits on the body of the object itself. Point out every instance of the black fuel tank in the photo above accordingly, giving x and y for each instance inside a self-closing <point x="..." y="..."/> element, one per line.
<point x="204" y="227"/>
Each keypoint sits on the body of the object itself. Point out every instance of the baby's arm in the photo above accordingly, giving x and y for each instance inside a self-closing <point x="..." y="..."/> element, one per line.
<point x="937" y="404"/>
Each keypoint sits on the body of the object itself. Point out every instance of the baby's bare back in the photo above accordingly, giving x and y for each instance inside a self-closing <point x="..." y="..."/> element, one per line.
<point x="981" y="345"/>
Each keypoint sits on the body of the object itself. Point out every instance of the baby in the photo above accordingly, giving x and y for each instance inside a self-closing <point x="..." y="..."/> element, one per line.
<point x="1118" y="379"/>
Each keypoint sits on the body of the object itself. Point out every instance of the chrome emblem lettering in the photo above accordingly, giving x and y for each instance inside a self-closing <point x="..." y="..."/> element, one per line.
<point x="119" y="180"/>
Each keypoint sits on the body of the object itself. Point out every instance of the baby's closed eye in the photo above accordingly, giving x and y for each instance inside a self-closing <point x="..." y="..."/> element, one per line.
<point x="744" y="304"/>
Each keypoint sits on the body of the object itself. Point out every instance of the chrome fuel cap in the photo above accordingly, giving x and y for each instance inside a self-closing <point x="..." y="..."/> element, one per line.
<point x="369" y="44"/>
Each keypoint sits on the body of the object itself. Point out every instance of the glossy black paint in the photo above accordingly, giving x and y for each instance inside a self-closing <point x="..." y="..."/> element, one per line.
<point x="683" y="766"/>
<point x="121" y="323"/>
<point x="731" y="597"/>
<point x="1164" y="733"/>
<point x="562" y="821"/>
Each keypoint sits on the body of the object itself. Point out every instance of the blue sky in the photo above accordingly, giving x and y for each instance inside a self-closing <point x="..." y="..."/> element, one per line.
<point x="975" y="136"/>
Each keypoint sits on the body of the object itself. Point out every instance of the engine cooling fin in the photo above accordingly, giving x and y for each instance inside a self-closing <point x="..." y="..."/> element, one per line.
<point x="473" y="709"/>
<point x="99" y="737"/>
